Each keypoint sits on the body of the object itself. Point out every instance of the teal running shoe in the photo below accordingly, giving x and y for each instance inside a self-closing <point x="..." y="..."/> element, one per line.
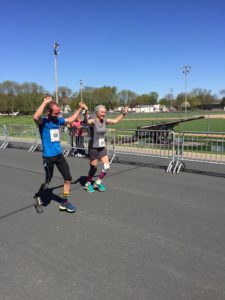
<point x="99" y="186"/>
<point x="89" y="187"/>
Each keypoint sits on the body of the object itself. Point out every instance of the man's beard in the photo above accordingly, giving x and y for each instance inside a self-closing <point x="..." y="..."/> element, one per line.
<point x="53" y="119"/>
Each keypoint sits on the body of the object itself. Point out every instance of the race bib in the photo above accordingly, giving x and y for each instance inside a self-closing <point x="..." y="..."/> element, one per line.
<point x="54" y="135"/>
<point x="101" y="142"/>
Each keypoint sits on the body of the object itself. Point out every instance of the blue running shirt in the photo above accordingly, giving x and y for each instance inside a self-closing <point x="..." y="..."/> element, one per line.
<point x="49" y="132"/>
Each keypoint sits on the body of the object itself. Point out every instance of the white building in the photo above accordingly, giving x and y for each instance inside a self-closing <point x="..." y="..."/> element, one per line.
<point x="150" y="108"/>
<point x="145" y="108"/>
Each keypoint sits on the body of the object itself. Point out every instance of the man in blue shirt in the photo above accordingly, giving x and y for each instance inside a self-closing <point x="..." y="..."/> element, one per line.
<point x="49" y="128"/>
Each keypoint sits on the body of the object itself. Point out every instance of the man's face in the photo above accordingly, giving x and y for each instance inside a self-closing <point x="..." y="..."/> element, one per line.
<point x="55" y="111"/>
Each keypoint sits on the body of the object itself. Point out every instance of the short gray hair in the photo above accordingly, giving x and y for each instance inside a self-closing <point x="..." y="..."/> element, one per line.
<point x="97" y="108"/>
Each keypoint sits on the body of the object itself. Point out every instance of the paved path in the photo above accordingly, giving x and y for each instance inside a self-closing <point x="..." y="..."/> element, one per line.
<point x="152" y="235"/>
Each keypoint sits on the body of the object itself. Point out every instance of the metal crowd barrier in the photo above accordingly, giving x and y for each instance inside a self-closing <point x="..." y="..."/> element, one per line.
<point x="72" y="143"/>
<point x="147" y="143"/>
<point x="14" y="134"/>
<point x="3" y="136"/>
<point x="21" y="134"/>
<point x="202" y="147"/>
<point x="36" y="142"/>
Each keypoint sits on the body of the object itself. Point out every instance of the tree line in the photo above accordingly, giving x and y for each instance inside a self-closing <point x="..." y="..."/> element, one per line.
<point x="26" y="97"/>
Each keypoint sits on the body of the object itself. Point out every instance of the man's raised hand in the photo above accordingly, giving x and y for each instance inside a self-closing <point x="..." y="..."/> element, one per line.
<point x="47" y="99"/>
<point x="82" y="105"/>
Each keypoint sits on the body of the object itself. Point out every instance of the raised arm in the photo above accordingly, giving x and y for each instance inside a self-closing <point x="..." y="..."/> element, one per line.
<point x="119" y="118"/>
<point x="37" y="115"/>
<point x="87" y="121"/>
<point x="82" y="106"/>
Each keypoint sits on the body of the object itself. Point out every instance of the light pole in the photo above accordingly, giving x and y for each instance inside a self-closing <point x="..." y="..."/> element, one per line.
<point x="185" y="70"/>
<point x="171" y="98"/>
<point x="81" y="88"/>
<point x="56" y="51"/>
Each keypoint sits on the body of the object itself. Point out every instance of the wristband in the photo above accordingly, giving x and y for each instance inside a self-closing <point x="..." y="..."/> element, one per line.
<point x="124" y="113"/>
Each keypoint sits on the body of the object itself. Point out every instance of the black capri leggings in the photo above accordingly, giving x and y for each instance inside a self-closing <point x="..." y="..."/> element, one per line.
<point x="61" y="164"/>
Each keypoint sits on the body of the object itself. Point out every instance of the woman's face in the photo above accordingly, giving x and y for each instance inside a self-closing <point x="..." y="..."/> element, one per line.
<point x="101" y="113"/>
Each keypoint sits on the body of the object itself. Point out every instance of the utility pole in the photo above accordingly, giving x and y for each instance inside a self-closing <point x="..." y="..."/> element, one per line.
<point x="185" y="70"/>
<point x="171" y="97"/>
<point x="56" y="51"/>
<point x="81" y="89"/>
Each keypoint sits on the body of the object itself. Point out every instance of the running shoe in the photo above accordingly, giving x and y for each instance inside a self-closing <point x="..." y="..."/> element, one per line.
<point x="67" y="206"/>
<point x="99" y="186"/>
<point x="89" y="187"/>
<point x="38" y="204"/>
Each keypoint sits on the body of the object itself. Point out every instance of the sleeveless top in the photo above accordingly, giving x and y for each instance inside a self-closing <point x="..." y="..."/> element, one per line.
<point x="97" y="134"/>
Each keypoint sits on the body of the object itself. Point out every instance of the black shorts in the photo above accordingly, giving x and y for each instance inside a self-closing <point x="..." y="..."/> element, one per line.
<point x="60" y="163"/>
<point x="97" y="153"/>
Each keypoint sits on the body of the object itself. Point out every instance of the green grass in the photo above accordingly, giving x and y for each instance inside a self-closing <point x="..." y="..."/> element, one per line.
<point x="207" y="125"/>
<point x="16" y="120"/>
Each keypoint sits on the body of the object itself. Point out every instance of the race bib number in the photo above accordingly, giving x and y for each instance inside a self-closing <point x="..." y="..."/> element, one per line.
<point x="54" y="135"/>
<point x="101" y="143"/>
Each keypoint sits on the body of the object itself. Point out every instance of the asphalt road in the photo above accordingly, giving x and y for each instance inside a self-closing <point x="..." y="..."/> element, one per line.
<point x="151" y="235"/>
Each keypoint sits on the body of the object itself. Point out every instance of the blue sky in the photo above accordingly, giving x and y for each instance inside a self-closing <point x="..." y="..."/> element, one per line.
<point x="137" y="45"/>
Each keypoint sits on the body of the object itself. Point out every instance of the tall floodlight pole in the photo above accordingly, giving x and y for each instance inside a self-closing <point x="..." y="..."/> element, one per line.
<point x="81" y="89"/>
<point x="185" y="70"/>
<point x="56" y="51"/>
<point x="171" y="97"/>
